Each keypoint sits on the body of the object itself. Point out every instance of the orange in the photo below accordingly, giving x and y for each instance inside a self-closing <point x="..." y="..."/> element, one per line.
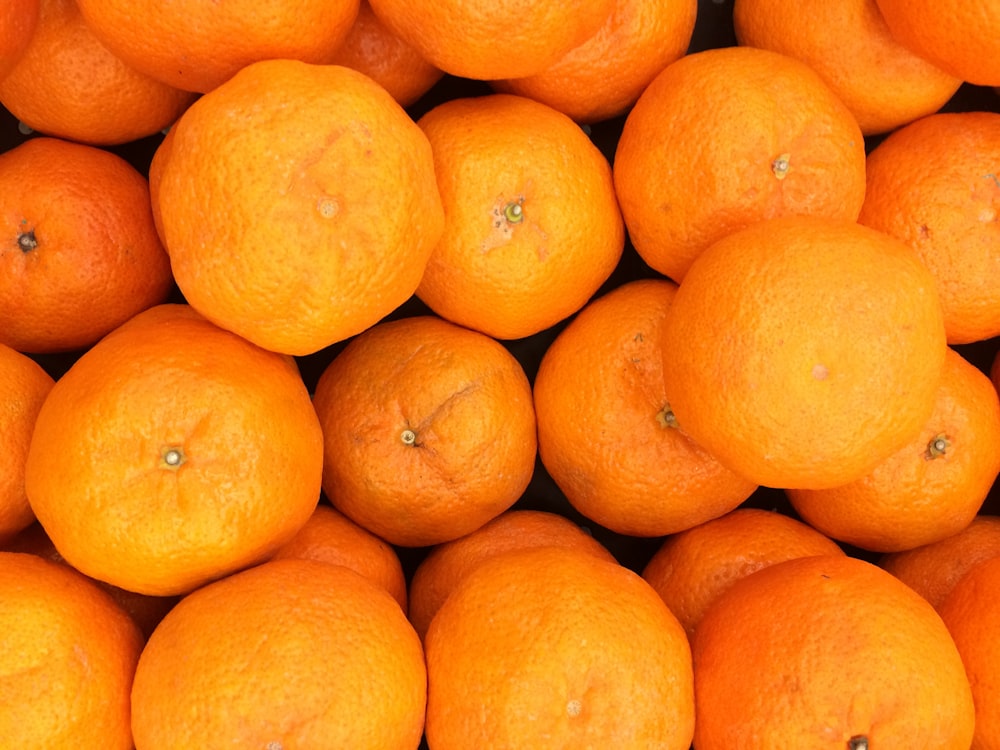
<point x="298" y="204"/>
<point x="556" y="648"/>
<point x="606" y="434"/>
<point x="604" y="76"/>
<point x="883" y="83"/>
<point x="827" y="652"/>
<point x="932" y="570"/>
<point x="690" y="569"/>
<point x="173" y="452"/>
<point x="962" y="38"/>
<point x="25" y="386"/>
<point x="428" y="430"/>
<point x="930" y="488"/>
<point x="726" y="137"/>
<point x="330" y="536"/>
<point x="91" y="95"/>
<point x="488" y="39"/>
<point x="68" y="659"/>
<point x="972" y="615"/>
<point x="289" y="654"/>
<point x="197" y="46"/>
<point x="532" y="226"/>
<point x="18" y="20"/>
<point x="145" y="610"/>
<point x="932" y="185"/>
<point x="396" y="65"/>
<point x="804" y="351"/>
<point x="441" y="570"/>
<point x="82" y="254"/>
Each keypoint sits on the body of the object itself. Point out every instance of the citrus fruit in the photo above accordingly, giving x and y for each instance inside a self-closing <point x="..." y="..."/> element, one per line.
<point x="173" y="452"/>
<point x="932" y="185"/>
<point x="532" y="226"/>
<point x="827" y="651"/>
<point x="298" y="204"/>
<point x="803" y="351"/>
<point x="488" y="39"/>
<point x="428" y="430"/>
<point x="330" y="536"/>
<point x="606" y="434"/>
<point x="25" y="386"/>
<point x="552" y="647"/>
<point x="604" y="76"/>
<point x="288" y="654"/>
<point x="68" y="659"/>
<point x="725" y="137"/>
<point x="82" y="254"/>
<point x="930" y="488"/>
<point x="884" y="84"/>
<point x="440" y="571"/>
<point x="691" y="568"/>
<point x="90" y="95"/>
<point x="18" y="20"/>
<point x="961" y="38"/>
<point x="197" y="46"/>
<point x="932" y="570"/>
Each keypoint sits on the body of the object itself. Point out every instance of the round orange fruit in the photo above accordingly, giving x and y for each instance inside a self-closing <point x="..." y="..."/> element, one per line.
<point x="298" y="204"/>
<point x="803" y="351"/>
<point x="172" y="453"/>
<point x="18" y="20"/>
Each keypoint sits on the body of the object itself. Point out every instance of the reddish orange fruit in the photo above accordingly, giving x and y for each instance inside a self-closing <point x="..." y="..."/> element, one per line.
<point x="289" y="654"/>
<point x="606" y="433"/>
<point x="930" y="488"/>
<point x="827" y="652"/>
<point x="803" y="351"/>
<point x="82" y="254"/>
<point x="723" y="138"/>
<point x="18" y="20"/>
<point x="298" y="204"/>
<point x="428" y="430"/>
<point x="582" y="646"/>
<point x="532" y="226"/>
<point x="170" y="422"/>
<point x="68" y="659"/>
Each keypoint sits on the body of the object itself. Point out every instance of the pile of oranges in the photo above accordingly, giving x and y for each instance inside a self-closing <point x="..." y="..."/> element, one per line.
<point x="609" y="374"/>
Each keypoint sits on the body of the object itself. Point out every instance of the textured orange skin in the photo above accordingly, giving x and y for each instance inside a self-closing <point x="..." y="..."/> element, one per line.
<point x="197" y="46"/>
<point x="556" y="648"/>
<point x="490" y="39"/>
<point x="97" y="475"/>
<point x="695" y="160"/>
<point x="692" y="568"/>
<point x="931" y="184"/>
<point x="91" y="96"/>
<point x="911" y="499"/>
<point x="298" y="204"/>
<point x="600" y="394"/>
<point x="814" y="651"/>
<point x="972" y="613"/>
<point x="291" y="654"/>
<point x="145" y="610"/>
<point x="18" y="21"/>
<point x="933" y="569"/>
<point x="883" y="83"/>
<point x="802" y="351"/>
<point x="448" y="563"/>
<point x="604" y="76"/>
<point x="393" y="63"/>
<point x="512" y="279"/>
<point x="98" y="259"/>
<point x="465" y="403"/>
<point x="330" y="536"/>
<point x="68" y="659"/>
<point x="962" y="38"/>
<point x="25" y="386"/>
